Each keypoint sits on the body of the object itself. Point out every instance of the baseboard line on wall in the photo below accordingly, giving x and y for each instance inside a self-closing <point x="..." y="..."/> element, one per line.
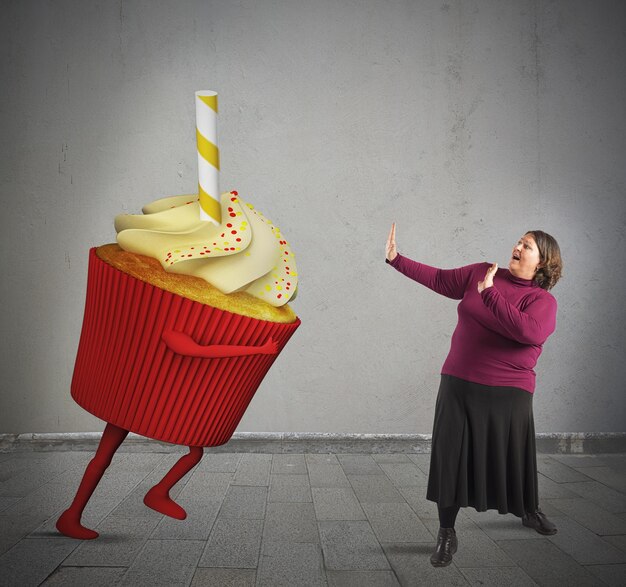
<point x="310" y="442"/>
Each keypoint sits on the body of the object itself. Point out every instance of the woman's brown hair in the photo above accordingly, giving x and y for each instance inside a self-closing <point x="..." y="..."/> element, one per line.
<point x="550" y="257"/>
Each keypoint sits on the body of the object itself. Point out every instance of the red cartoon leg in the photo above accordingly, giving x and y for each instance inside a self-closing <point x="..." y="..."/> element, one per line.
<point x="69" y="522"/>
<point x="158" y="498"/>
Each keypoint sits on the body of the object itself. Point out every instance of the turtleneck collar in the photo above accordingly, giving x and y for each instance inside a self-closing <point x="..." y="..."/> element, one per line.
<point x="519" y="280"/>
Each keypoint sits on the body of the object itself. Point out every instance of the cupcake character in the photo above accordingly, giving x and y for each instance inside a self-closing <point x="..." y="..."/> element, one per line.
<point x="182" y="321"/>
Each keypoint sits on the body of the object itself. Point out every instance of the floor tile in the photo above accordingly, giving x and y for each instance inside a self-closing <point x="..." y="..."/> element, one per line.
<point x="422" y="461"/>
<point x="374" y="489"/>
<point x="549" y="489"/>
<point x="411" y="565"/>
<point x="286" y="564"/>
<point x="120" y="541"/>
<point x="405" y="475"/>
<point x="288" y="464"/>
<point x="32" y="560"/>
<point x="614" y="575"/>
<point x="608" y="499"/>
<point x="607" y="475"/>
<point x="391" y="458"/>
<point x="320" y="459"/>
<point x="293" y="522"/>
<point x="576" y="461"/>
<point x="233" y="543"/>
<point x="164" y="563"/>
<point x="498" y="577"/>
<point x="416" y="498"/>
<point x="336" y="503"/>
<point x="7" y="502"/>
<point x="289" y="488"/>
<point x="224" y="578"/>
<point x="501" y="526"/>
<point x="362" y="579"/>
<point x="244" y="502"/>
<point x="615" y="461"/>
<point x="395" y="522"/>
<point x="220" y="462"/>
<point x="82" y="576"/>
<point x="591" y="516"/>
<point x="351" y="545"/>
<point x="359" y="464"/>
<point x="326" y="475"/>
<point x="253" y="469"/>
<point x="618" y="541"/>
<point x="14" y="528"/>
<point x="585" y="546"/>
<point x="546" y="564"/>
<point x="557" y="471"/>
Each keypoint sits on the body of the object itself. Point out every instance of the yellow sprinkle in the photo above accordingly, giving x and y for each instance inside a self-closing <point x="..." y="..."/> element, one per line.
<point x="268" y="288"/>
<point x="279" y="287"/>
<point x="177" y="250"/>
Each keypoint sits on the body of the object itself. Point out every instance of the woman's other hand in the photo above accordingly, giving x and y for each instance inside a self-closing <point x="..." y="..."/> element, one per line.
<point x="392" y="252"/>
<point x="488" y="281"/>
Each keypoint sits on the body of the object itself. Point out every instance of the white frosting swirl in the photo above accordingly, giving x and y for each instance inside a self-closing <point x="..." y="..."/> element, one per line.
<point x="246" y="252"/>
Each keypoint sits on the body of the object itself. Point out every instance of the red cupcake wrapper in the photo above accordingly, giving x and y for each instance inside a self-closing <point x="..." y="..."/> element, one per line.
<point x="127" y="375"/>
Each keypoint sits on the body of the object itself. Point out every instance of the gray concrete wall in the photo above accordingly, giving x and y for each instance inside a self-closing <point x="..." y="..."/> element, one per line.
<point x="467" y="123"/>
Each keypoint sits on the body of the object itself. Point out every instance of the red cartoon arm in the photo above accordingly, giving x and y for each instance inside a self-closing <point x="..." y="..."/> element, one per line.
<point x="183" y="344"/>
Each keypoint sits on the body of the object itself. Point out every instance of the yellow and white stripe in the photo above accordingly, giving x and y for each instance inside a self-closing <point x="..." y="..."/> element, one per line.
<point x="208" y="156"/>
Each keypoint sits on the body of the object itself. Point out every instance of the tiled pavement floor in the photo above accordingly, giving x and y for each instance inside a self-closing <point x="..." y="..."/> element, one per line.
<point x="302" y="519"/>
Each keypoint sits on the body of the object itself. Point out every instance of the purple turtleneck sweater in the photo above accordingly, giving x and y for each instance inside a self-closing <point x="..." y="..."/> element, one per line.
<point x="501" y="331"/>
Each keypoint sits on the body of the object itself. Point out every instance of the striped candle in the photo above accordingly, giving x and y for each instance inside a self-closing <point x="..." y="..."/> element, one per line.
<point x="208" y="156"/>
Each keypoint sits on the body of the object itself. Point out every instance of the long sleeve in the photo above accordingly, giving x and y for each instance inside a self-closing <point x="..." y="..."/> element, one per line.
<point x="533" y="325"/>
<point x="447" y="282"/>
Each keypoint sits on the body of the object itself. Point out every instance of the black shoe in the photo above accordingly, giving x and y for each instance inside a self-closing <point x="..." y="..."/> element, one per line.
<point x="539" y="522"/>
<point x="446" y="547"/>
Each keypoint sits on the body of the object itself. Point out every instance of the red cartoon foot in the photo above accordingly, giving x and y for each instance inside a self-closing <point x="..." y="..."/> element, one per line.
<point x="164" y="504"/>
<point x="70" y="525"/>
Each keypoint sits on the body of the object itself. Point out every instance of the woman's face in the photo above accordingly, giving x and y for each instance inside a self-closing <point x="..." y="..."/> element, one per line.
<point x="525" y="258"/>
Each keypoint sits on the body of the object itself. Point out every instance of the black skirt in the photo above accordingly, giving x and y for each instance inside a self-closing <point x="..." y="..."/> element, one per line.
<point x="483" y="448"/>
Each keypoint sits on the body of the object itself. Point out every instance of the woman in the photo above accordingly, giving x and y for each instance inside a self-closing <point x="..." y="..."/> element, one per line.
<point x="483" y="444"/>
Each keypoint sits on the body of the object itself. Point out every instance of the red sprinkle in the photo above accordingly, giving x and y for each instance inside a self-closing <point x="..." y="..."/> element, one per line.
<point x="279" y="296"/>
<point x="233" y="232"/>
<point x="233" y="214"/>
<point x="238" y="240"/>
<point x="229" y="225"/>
<point x="234" y="192"/>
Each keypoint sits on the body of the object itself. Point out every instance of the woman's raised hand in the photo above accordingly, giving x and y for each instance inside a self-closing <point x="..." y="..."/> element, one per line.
<point x="392" y="252"/>
<point x="488" y="281"/>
